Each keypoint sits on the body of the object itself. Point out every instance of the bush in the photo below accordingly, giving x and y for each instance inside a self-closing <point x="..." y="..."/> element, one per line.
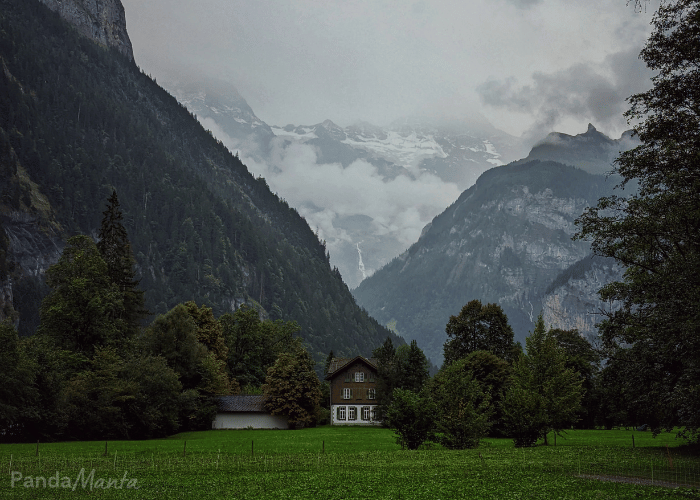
<point x="411" y="417"/>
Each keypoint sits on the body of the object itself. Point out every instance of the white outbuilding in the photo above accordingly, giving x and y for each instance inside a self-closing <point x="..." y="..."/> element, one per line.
<point x="244" y="412"/>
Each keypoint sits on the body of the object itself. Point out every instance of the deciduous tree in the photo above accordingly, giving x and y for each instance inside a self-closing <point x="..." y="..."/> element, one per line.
<point x="411" y="415"/>
<point x="463" y="407"/>
<point x="478" y="328"/>
<point x="84" y="308"/>
<point x="655" y="231"/>
<point x="293" y="388"/>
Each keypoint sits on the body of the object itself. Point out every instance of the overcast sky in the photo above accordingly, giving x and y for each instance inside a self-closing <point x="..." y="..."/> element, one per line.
<point x="529" y="66"/>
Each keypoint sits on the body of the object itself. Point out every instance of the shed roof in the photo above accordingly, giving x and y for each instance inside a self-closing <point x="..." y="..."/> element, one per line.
<point x="242" y="403"/>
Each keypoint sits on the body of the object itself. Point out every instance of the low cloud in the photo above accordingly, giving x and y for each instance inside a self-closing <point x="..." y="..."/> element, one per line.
<point x="584" y="92"/>
<point x="524" y="3"/>
<point x="392" y="212"/>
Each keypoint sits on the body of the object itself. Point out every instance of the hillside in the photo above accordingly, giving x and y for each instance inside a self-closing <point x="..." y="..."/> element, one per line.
<point x="416" y="167"/>
<point x="78" y="120"/>
<point x="505" y="240"/>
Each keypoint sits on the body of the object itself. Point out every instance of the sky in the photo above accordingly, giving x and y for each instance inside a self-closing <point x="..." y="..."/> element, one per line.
<point x="529" y="66"/>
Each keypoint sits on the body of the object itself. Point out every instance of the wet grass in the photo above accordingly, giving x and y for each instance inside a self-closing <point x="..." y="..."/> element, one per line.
<point x="341" y="463"/>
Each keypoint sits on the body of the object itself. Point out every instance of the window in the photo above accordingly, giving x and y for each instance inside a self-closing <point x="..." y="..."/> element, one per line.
<point x="352" y="413"/>
<point x="348" y="377"/>
<point x="373" y="413"/>
<point x="359" y="377"/>
<point x="365" y="413"/>
<point x="371" y="377"/>
<point x="347" y="393"/>
<point x="341" y="413"/>
<point x="371" y="393"/>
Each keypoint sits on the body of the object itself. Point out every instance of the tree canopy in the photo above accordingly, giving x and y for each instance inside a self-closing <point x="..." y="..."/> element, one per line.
<point x="655" y="231"/>
<point x="478" y="328"/>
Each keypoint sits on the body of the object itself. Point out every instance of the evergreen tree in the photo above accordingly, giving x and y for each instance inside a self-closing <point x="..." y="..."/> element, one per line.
<point x="385" y="355"/>
<point x="545" y="395"/>
<point x="116" y="251"/>
<point x="412" y="367"/>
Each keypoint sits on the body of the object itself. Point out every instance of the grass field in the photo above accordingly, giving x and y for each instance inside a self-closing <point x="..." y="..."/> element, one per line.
<point x="348" y="463"/>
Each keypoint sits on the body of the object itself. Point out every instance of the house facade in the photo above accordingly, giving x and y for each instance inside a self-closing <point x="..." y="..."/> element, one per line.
<point x="353" y="398"/>
<point x="243" y="412"/>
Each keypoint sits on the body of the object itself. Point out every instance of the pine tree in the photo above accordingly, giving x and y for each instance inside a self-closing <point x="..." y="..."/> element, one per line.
<point x="116" y="251"/>
<point x="545" y="395"/>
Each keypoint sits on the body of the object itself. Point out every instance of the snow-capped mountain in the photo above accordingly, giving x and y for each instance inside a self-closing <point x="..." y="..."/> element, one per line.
<point x="453" y="151"/>
<point x="336" y="176"/>
<point x="221" y="109"/>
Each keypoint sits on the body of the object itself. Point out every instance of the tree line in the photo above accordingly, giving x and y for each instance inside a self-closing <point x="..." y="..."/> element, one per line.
<point x="649" y="346"/>
<point x="487" y="385"/>
<point x="93" y="372"/>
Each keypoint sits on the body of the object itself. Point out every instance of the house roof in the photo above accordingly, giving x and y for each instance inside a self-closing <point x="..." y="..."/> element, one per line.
<point x="242" y="403"/>
<point x="338" y="364"/>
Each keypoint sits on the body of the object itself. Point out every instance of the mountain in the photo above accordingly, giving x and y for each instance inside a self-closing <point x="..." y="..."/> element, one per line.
<point x="571" y="301"/>
<point x="505" y="240"/>
<point x="102" y="21"/>
<point x="591" y="151"/>
<point x="79" y="119"/>
<point x="412" y="152"/>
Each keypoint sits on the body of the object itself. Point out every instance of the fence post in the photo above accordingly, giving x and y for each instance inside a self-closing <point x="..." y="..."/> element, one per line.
<point x="105" y="454"/>
<point x="632" y="440"/>
<point x="323" y="446"/>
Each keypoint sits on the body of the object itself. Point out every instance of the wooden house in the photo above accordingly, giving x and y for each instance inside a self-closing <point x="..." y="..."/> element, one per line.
<point x="353" y="397"/>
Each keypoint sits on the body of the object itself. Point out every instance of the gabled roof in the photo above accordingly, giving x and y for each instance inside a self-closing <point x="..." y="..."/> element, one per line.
<point x="338" y="364"/>
<point x="242" y="403"/>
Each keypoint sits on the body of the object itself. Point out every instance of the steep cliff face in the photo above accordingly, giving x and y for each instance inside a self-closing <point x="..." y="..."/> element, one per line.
<point x="31" y="239"/>
<point x="572" y="301"/>
<point x="102" y="20"/>
<point x="505" y="240"/>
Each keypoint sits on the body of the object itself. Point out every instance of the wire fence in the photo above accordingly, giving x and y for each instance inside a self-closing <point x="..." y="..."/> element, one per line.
<point x="659" y="469"/>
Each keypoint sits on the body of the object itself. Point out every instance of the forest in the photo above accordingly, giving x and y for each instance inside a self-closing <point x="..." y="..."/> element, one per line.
<point x="79" y="121"/>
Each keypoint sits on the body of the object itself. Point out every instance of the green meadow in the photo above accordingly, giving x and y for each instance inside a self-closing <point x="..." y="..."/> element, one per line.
<point x="351" y="463"/>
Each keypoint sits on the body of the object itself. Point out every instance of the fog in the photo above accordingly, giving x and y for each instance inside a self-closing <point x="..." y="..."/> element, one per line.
<point x="304" y="61"/>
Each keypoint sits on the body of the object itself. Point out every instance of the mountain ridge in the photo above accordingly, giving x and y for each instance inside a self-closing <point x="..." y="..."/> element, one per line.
<point x="201" y="226"/>
<point x="504" y="240"/>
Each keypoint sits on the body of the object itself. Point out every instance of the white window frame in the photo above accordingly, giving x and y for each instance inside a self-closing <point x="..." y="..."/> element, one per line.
<point x="341" y="413"/>
<point x="371" y="393"/>
<point x="359" y="376"/>
<point x="366" y="413"/>
<point x="352" y="413"/>
<point x="347" y="393"/>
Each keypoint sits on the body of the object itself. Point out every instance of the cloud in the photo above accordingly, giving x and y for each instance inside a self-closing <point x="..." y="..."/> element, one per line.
<point x="524" y="3"/>
<point x="391" y="212"/>
<point x="583" y="92"/>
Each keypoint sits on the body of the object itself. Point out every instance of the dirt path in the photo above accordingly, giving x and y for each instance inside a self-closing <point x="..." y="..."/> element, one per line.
<point x="637" y="480"/>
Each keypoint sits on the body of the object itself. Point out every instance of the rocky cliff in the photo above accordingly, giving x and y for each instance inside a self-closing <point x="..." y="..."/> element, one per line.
<point x="572" y="301"/>
<point x="101" y="20"/>
<point x="505" y="240"/>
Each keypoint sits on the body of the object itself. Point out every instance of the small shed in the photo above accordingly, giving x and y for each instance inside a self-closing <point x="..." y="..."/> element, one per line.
<point x="243" y="412"/>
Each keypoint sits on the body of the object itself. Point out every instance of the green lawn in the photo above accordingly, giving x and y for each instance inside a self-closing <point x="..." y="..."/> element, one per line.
<point x="348" y="463"/>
